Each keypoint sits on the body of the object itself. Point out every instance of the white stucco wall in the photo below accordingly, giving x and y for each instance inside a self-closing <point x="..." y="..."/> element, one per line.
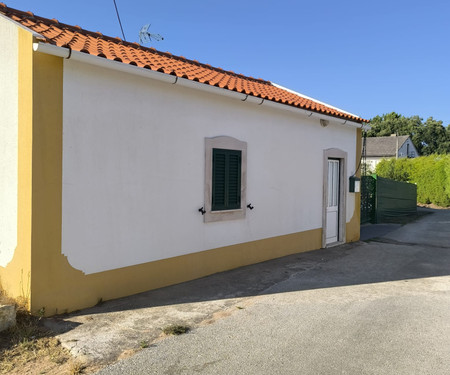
<point x="8" y="139"/>
<point x="133" y="169"/>
<point x="372" y="162"/>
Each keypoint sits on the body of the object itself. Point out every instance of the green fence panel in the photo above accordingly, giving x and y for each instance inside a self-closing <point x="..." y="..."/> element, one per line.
<point x="394" y="199"/>
<point x="368" y="199"/>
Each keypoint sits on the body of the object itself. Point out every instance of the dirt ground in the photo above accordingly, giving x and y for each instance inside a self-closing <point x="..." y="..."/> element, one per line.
<point x="30" y="348"/>
<point x="431" y="205"/>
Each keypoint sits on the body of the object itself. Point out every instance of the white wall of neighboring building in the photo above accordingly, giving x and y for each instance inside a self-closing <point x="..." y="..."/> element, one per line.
<point x="8" y="139"/>
<point x="372" y="162"/>
<point x="133" y="169"/>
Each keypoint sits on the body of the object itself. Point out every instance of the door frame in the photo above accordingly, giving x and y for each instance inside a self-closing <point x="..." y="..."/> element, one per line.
<point x="335" y="153"/>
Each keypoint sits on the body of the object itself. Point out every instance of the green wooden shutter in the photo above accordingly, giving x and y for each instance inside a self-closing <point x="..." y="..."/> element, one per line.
<point x="226" y="179"/>
<point x="219" y="180"/>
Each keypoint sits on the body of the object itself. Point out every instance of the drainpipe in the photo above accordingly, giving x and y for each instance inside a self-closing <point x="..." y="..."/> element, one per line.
<point x="67" y="53"/>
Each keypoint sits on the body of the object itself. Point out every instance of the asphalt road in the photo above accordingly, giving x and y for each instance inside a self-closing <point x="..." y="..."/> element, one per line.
<point x="376" y="307"/>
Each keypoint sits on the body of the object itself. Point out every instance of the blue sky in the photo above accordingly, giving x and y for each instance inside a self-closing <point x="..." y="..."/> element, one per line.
<point x="366" y="57"/>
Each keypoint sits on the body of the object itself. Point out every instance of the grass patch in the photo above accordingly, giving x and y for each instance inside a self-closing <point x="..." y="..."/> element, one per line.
<point x="175" y="329"/>
<point x="144" y="344"/>
<point x="28" y="341"/>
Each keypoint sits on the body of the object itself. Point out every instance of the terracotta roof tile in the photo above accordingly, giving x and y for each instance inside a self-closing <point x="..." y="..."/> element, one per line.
<point x="97" y="44"/>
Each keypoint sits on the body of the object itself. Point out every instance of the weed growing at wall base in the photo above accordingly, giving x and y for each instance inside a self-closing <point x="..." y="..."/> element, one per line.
<point x="175" y="330"/>
<point x="26" y="343"/>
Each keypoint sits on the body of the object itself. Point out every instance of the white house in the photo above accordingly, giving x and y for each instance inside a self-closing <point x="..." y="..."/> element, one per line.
<point x="125" y="169"/>
<point x="378" y="148"/>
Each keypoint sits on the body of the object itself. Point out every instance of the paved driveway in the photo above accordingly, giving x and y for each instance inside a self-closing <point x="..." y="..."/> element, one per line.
<point x="375" y="307"/>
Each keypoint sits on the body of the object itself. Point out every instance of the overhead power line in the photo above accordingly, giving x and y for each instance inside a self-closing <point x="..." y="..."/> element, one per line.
<point x="118" y="17"/>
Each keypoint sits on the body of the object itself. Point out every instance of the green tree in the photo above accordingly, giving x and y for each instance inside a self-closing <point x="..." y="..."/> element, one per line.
<point x="429" y="137"/>
<point x="434" y="138"/>
<point x="393" y="123"/>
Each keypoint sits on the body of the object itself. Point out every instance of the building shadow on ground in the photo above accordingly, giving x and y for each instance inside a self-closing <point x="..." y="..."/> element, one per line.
<point x="374" y="260"/>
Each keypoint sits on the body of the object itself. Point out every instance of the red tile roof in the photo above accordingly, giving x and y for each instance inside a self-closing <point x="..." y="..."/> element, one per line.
<point x="97" y="44"/>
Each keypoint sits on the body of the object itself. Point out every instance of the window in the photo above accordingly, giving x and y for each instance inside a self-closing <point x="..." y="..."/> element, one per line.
<point x="225" y="178"/>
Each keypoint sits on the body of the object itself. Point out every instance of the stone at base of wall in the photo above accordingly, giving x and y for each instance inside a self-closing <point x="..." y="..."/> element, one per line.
<point x="7" y="316"/>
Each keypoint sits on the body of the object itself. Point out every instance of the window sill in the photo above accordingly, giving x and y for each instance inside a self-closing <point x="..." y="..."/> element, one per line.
<point x="212" y="216"/>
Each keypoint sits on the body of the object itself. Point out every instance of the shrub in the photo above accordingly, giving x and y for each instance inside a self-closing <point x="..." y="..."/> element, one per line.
<point x="431" y="174"/>
<point x="447" y="174"/>
<point x="395" y="169"/>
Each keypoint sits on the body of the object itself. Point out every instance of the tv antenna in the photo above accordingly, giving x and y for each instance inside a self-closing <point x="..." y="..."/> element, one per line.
<point x="145" y="36"/>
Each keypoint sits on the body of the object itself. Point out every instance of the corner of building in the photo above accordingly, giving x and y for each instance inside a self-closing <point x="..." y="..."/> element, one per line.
<point x="15" y="276"/>
<point x="354" y="225"/>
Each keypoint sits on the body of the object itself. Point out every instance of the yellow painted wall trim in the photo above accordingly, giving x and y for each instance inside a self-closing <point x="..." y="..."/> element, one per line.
<point x="66" y="289"/>
<point x="47" y="176"/>
<point x="353" y="226"/>
<point x="15" y="278"/>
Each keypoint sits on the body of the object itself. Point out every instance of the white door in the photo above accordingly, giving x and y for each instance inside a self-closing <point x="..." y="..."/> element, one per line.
<point x="332" y="226"/>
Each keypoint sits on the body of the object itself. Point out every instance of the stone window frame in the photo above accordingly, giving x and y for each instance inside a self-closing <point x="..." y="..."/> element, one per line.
<point x="228" y="143"/>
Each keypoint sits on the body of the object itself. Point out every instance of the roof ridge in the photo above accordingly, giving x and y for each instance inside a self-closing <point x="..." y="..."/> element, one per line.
<point x="136" y="45"/>
<point x="389" y="136"/>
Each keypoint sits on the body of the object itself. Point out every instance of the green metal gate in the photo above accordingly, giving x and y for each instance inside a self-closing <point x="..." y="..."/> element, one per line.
<point x="368" y="199"/>
<point x="383" y="199"/>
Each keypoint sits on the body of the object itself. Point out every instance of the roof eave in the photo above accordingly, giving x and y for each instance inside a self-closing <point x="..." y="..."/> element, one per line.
<point x="18" y="24"/>
<point x="148" y="73"/>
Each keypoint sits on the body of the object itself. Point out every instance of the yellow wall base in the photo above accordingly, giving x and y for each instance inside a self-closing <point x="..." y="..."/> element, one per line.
<point x="61" y="288"/>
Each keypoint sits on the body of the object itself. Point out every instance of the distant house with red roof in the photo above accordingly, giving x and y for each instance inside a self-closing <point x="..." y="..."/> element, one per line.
<point x="124" y="169"/>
